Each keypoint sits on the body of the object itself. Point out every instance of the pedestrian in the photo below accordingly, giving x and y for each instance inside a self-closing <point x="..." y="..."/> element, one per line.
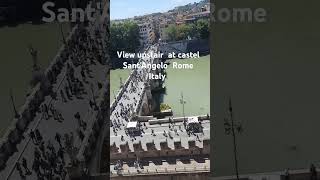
<point x="18" y="167"/>
<point x="58" y="138"/>
<point x="286" y="175"/>
<point x="61" y="154"/>
<point x="33" y="137"/>
<point x="77" y="115"/>
<point x="313" y="172"/>
<point x="25" y="165"/>
<point x="37" y="154"/>
<point x="63" y="96"/>
<point x="36" y="167"/>
<point x="38" y="135"/>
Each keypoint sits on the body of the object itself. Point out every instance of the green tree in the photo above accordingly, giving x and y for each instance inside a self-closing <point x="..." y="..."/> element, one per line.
<point x="199" y="30"/>
<point x="124" y="36"/>
<point x="185" y="31"/>
<point x="202" y="27"/>
<point x="171" y="31"/>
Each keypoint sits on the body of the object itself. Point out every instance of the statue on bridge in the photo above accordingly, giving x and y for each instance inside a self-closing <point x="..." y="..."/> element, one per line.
<point x="34" y="54"/>
<point x="37" y="74"/>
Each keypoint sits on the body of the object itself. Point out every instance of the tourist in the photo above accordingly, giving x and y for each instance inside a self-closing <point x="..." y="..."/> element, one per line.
<point x="33" y="137"/>
<point x="313" y="172"/>
<point x="58" y="138"/>
<point x="286" y="175"/>
<point x="25" y="165"/>
<point x="18" y="167"/>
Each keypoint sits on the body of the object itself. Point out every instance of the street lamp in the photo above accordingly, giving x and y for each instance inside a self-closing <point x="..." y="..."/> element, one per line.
<point x="231" y="127"/>
<point x="182" y="101"/>
<point x="121" y="83"/>
<point x="114" y="95"/>
<point x="16" y="114"/>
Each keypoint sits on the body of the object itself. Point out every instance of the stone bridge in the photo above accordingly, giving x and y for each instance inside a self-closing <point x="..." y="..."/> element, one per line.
<point x="16" y="142"/>
<point x="144" y="87"/>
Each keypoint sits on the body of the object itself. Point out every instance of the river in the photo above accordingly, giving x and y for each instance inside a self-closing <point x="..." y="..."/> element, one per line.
<point x="194" y="84"/>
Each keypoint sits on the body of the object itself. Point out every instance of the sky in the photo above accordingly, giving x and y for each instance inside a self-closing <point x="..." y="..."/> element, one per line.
<point x="120" y="9"/>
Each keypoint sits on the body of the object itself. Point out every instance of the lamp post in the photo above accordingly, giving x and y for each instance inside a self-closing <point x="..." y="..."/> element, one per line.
<point x="121" y="83"/>
<point x="62" y="34"/>
<point x="231" y="127"/>
<point x="182" y="101"/>
<point x="16" y="114"/>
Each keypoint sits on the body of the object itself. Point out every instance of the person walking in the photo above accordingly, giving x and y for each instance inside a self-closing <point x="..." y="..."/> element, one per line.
<point x="18" y="167"/>
<point x="286" y="175"/>
<point x="313" y="172"/>
<point x="33" y="137"/>
<point x="25" y="166"/>
<point x="58" y="138"/>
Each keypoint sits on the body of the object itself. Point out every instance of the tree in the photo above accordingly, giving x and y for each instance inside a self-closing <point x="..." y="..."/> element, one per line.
<point x="171" y="31"/>
<point x="202" y="27"/>
<point x="124" y="36"/>
<point x="199" y="30"/>
<point x="186" y="31"/>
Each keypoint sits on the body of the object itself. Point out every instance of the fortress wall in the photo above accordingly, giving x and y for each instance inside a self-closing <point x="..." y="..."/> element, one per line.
<point x="163" y="152"/>
<point x="201" y="175"/>
<point x="186" y="46"/>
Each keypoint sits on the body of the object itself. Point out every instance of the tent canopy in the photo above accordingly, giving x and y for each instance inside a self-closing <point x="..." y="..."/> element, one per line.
<point x="193" y="120"/>
<point x="132" y="124"/>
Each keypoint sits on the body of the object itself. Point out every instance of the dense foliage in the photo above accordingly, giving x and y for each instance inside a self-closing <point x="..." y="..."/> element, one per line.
<point x="164" y="107"/>
<point x="124" y="37"/>
<point x="197" y="30"/>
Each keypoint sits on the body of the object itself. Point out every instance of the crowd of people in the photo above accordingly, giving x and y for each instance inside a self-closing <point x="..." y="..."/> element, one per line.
<point x="48" y="161"/>
<point x="125" y="111"/>
<point x="49" y="157"/>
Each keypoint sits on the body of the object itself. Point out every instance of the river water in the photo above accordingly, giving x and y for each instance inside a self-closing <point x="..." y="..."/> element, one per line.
<point x="194" y="84"/>
<point x="16" y="61"/>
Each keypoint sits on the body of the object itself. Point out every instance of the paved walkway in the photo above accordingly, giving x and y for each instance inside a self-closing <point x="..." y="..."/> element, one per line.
<point x="49" y="128"/>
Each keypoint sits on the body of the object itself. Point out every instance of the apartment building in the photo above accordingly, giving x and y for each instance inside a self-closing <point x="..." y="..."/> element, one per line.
<point x="146" y="33"/>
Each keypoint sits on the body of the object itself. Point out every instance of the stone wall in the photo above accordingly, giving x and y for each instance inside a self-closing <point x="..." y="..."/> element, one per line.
<point x="176" y="119"/>
<point x="186" y="46"/>
<point x="201" y="175"/>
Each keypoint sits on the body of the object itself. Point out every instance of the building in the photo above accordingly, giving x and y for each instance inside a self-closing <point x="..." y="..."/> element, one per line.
<point x="165" y="23"/>
<point x="196" y="16"/>
<point x="163" y="35"/>
<point x="146" y="33"/>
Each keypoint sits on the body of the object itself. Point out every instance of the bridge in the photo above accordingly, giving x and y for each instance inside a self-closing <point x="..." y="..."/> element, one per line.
<point x="160" y="145"/>
<point x="70" y="101"/>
